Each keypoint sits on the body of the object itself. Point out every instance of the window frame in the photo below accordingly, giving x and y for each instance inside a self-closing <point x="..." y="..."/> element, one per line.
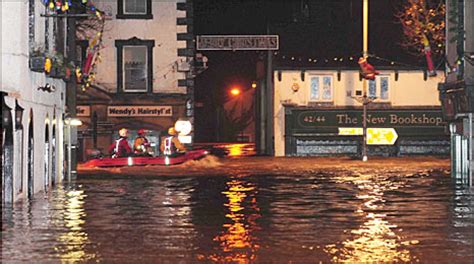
<point x="320" y="98"/>
<point x="121" y="14"/>
<point x="120" y="44"/>
<point x="378" y="86"/>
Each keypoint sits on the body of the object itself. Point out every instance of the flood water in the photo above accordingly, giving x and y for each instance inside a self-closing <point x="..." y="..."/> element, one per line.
<point x="352" y="217"/>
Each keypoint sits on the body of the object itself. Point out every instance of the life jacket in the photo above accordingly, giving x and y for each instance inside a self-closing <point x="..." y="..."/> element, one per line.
<point x="141" y="144"/>
<point x="169" y="147"/>
<point x="118" y="151"/>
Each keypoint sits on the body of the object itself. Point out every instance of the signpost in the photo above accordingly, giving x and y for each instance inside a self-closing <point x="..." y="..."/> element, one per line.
<point x="375" y="135"/>
<point x="381" y="136"/>
<point x="350" y="131"/>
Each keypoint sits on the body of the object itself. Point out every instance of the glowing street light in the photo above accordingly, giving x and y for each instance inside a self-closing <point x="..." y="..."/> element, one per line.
<point x="235" y="91"/>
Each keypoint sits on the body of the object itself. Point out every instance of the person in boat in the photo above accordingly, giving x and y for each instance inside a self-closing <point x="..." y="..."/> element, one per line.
<point x="170" y="144"/>
<point x="120" y="147"/>
<point x="141" y="145"/>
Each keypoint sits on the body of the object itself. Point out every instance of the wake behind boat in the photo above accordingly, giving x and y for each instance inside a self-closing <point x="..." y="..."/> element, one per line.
<point x="142" y="161"/>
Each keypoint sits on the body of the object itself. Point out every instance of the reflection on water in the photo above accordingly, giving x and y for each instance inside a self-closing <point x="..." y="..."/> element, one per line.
<point x="237" y="242"/>
<point x="332" y="217"/>
<point x="376" y="239"/>
<point x="73" y="242"/>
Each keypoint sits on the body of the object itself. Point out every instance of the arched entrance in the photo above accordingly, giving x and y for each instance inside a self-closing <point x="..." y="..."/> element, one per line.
<point x="46" y="156"/>
<point x="53" y="155"/>
<point x="7" y="153"/>
<point x="31" y="156"/>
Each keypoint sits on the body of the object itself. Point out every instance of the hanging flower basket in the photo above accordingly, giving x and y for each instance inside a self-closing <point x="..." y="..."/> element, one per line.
<point x="57" y="72"/>
<point x="37" y="63"/>
<point x="58" y="67"/>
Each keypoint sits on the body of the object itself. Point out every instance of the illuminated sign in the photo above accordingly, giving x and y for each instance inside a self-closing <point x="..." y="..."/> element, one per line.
<point x="133" y="110"/>
<point x="381" y="136"/>
<point x="350" y="131"/>
<point x="237" y="42"/>
<point x="83" y="110"/>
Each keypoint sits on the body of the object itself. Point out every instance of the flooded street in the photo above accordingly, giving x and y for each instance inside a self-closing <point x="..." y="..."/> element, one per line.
<point x="227" y="210"/>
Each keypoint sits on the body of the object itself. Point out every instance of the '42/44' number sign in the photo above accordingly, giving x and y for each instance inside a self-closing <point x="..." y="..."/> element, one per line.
<point x="314" y="119"/>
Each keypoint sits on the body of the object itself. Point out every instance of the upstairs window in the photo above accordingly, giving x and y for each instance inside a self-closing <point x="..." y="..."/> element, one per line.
<point x="380" y="88"/>
<point x="135" y="69"/>
<point x="134" y="65"/>
<point x="321" y="89"/>
<point x="134" y="9"/>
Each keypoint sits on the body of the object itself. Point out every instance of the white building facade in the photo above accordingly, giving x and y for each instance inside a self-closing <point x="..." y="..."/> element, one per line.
<point x="312" y="105"/>
<point x="33" y="103"/>
<point x="145" y="73"/>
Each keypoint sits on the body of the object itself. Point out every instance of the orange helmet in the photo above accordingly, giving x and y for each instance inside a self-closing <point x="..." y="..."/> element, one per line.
<point x="123" y="132"/>
<point x="141" y="132"/>
<point x="171" y="131"/>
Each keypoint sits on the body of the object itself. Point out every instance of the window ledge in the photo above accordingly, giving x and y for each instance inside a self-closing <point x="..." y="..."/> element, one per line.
<point x="134" y="16"/>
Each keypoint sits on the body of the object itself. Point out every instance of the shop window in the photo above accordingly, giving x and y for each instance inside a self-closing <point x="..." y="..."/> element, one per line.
<point x="134" y="65"/>
<point x="321" y="88"/>
<point x="134" y="9"/>
<point x="380" y="88"/>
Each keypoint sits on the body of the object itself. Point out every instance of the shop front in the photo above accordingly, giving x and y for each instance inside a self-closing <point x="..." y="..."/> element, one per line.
<point x="318" y="132"/>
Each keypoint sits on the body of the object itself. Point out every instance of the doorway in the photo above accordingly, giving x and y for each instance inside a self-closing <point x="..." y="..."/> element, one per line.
<point x="31" y="155"/>
<point x="7" y="158"/>
<point x="46" y="157"/>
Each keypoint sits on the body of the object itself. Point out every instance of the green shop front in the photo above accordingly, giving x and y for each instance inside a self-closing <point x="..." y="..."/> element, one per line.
<point x="319" y="132"/>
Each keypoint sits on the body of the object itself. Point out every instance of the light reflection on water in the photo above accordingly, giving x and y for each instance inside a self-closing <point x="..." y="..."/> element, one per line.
<point x="330" y="217"/>
<point x="376" y="239"/>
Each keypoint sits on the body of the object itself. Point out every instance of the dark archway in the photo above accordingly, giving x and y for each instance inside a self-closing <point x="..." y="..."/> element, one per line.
<point x="7" y="156"/>
<point x="46" y="156"/>
<point x="31" y="156"/>
<point x="53" y="154"/>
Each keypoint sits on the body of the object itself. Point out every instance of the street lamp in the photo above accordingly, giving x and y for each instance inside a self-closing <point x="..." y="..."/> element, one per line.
<point x="70" y="122"/>
<point x="236" y="92"/>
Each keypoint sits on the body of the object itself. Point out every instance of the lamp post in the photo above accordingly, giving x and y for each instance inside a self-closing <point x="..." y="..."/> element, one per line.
<point x="236" y="92"/>
<point x="70" y="122"/>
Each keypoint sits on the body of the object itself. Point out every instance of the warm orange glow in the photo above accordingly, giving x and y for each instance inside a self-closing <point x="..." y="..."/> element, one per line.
<point x="254" y="85"/>
<point x="238" y="243"/>
<point x="235" y="91"/>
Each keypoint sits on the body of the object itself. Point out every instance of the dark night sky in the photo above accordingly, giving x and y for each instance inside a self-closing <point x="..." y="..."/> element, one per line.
<point x="326" y="29"/>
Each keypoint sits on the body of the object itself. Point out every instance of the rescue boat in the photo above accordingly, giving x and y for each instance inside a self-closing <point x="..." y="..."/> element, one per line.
<point x="143" y="161"/>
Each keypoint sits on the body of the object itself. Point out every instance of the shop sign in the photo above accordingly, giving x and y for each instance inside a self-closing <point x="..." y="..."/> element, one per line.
<point x="379" y="118"/>
<point x="237" y="42"/>
<point x="134" y="110"/>
<point x="83" y="110"/>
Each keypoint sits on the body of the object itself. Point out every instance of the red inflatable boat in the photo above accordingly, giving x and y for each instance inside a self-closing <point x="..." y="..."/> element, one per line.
<point x="142" y="161"/>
